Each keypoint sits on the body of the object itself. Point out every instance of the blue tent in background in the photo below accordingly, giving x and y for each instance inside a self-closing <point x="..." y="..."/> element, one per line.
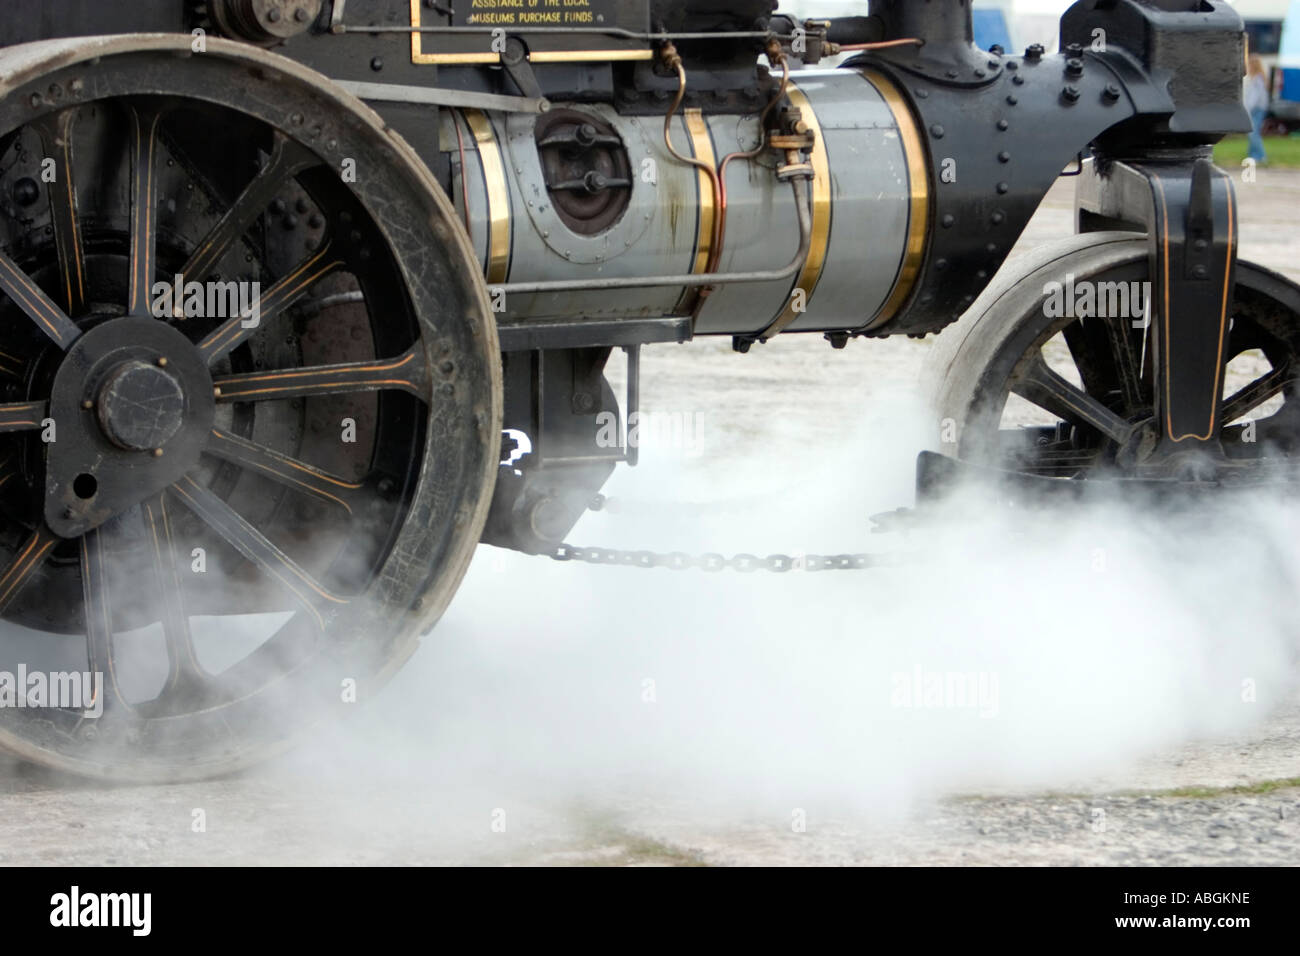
<point x="1288" y="59"/>
<point x="991" y="28"/>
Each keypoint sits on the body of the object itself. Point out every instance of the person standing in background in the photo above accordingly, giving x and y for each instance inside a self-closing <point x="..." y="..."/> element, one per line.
<point x="1255" y="99"/>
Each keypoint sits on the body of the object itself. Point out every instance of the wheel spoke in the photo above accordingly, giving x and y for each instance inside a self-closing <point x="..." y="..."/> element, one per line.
<point x="1103" y="351"/>
<point x="55" y="132"/>
<point x="287" y="159"/>
<point x="38" y="306"/>
<point x="30" y="557"/>
<point x="144" y="206"/>
<point x="184" y="672"/>
<point x="11" y="365"/>
<point x="405" y="373"/>
<point x="7" y="470"/>
<point x="1256" y="393"/>
<point x="1086" y="342"/>
<point x="21" y="416"/>
<point x="1048" y="390"/>
<point x="254" y="546"/>
<point x="99" y="618"/>
<point x="275" y="300"/>
<point x="282" y="469"/>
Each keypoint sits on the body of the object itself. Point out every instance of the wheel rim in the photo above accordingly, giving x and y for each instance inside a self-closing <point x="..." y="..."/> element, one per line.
<point x="294" y="480"/>
<point x="1072" y="398"/>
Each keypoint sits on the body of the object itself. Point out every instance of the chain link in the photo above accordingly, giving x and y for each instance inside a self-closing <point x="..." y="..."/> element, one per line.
<point x="743" y="563"/>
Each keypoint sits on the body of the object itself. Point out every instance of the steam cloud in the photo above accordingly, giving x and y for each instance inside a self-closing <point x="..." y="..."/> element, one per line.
<point x="1101" y="637"/>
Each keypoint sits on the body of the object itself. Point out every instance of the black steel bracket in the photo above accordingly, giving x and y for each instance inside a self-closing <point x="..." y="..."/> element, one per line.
<point x="560" y="400"/>
<point x="1188" y="210"/>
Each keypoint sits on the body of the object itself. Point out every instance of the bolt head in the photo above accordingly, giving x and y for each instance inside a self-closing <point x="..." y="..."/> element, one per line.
<point x="25" y="191"/>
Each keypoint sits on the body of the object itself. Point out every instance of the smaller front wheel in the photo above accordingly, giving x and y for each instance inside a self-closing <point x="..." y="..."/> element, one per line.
<point x="1024" y="384"/>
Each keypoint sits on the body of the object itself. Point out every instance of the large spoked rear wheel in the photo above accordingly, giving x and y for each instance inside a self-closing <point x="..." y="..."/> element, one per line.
<point x="1022" y="387"/>
<point x="249" y="404"/>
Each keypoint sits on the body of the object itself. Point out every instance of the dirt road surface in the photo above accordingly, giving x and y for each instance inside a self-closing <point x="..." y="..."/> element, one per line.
<point x="566" y="714"/>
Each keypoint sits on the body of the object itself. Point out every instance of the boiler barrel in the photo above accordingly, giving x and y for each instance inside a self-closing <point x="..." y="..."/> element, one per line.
<point x="870" y="198"/>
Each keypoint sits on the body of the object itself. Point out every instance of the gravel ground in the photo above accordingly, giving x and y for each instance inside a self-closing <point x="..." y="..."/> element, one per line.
<point x="607" y="716"/>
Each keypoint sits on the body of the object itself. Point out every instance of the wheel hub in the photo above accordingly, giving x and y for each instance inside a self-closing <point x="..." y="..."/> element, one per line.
<point x="140" y="406"/>
<point x="132" y="406"/>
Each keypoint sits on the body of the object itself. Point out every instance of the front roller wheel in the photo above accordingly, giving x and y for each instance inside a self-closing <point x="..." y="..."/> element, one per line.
<point x="250" y="403"/>
<point x="1020" y="386"/>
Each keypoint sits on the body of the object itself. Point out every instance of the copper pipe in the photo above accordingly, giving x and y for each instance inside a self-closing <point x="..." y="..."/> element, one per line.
<point x="720" y="218"/>
<point x="882" y="45"/>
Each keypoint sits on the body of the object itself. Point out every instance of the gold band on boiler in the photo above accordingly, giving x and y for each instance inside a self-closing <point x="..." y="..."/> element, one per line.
<point x="498" y="195"/>
<point x="821" y="217"/>
<point x="918" y="184"/>
<point x="701" y="149"/>
<point x="542" y="56"/>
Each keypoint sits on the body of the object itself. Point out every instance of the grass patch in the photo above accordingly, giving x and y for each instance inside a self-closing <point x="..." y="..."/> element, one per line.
<point x="643" y="851"/>
<point x="1283" y="151"/>
<point x="1261" y="788"/>
<point x="609" y="843"/>
<point x="1247" y="789"/>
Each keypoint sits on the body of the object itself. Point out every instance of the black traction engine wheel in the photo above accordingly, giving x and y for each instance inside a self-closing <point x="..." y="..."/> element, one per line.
<point x="1021" y="387"/>
<point x="241" y="504"/>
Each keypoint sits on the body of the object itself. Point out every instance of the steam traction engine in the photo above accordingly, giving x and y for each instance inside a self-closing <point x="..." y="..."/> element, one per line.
<point x="449" y="214"/>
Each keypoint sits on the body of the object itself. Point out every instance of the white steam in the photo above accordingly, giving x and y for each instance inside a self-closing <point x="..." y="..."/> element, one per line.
<point x="1091" y="640"/>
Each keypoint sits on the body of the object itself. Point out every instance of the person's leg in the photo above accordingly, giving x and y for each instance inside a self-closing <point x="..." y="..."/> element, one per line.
<point x="1256" y="140"/>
